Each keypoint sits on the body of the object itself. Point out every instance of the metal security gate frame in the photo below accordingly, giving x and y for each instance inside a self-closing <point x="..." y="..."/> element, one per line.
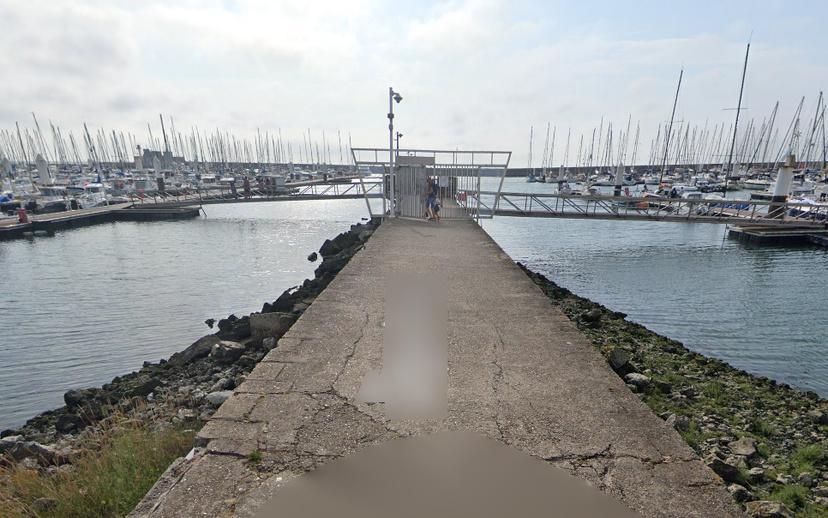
<point x="457" y="173"/>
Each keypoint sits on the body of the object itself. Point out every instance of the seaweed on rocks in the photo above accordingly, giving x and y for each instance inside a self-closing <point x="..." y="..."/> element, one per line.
<point x="766" y="440"/>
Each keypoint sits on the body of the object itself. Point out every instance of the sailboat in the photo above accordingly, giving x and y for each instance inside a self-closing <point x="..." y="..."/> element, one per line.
<point x="530" y="178"/>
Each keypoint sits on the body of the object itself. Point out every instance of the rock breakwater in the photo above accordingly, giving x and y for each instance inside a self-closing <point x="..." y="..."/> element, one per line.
<point x="766" y="440"/>
<point x="187" y="387"/>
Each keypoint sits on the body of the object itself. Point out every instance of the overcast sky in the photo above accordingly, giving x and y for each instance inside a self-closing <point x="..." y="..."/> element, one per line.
<point x="474" y="74"/>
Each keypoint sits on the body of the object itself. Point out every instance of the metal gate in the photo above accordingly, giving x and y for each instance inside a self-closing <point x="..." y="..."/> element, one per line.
<point x="453" y="177"/>
<point x="415" y="184"/>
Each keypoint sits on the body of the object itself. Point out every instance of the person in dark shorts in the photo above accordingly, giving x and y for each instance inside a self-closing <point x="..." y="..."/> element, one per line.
<point x="432" y="205"/>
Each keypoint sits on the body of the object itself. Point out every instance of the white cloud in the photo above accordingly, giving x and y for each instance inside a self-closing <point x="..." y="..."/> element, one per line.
<point x="473" y="73"/>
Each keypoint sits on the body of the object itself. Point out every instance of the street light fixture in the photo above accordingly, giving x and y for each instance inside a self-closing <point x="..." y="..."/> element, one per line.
<point x="392" y="96"/>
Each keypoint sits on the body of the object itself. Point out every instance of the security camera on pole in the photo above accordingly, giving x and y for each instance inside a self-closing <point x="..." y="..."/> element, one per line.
<point x="392" y="96"/>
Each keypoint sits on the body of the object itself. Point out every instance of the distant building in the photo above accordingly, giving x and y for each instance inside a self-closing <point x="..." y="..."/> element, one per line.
<point x="165" y="158"/>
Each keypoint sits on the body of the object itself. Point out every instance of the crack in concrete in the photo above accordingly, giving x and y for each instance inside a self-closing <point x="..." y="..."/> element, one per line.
<point x="227" y="454"/>
<point x="246" y="415"/>
<point x="347" y="402"/>
<point x="352" y="352"/>
<point x="603" y="453"/>
<point x="606" y="458"/>
<point x="497" y="380"/>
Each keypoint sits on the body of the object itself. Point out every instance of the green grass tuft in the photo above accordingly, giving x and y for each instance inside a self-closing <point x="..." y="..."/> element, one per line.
<point x="693" y="435"/>
<point x="255" y="457"/>
<point x="813" y="510"/>
<point x="794" y="496"/>
<point x="715" y="390"/>
<point x="807" y="458"/>
<point x="762" y="428"/>
<point x="108" y="480"/>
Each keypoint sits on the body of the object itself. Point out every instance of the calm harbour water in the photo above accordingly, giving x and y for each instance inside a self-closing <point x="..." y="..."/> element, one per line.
<point x="86" y="305"/>
<point x="761" y="309"/>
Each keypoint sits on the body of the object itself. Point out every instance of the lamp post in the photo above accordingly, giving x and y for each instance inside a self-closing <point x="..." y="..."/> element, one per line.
<point x="392" y="96"/>
<point x="397" y="154"/>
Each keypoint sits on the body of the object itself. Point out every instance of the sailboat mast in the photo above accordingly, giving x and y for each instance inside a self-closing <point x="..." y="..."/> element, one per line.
<point x="770" y="131"/>
<point x="635" y="143"/>
<point x="814" y="128"/>
<point x="22" y="146"/>
<point x="580" y="149"/>
<point x="824" y="149"/>
<point x="43" y="143"/>
<point x="545" y="150"/>
<point x="670" y="128"/>
<point x="736" y="124"/>
<point x="164" y="132"/>
<point x="626" y="139"/>
<point x="591" y="149"/>
<point x="552" y="147"/>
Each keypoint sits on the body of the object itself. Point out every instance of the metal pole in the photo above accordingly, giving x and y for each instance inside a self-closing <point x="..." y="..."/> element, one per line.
<point x="393" y="178"/>
<point x="390" y="151"/>
<point x="736" y="124"/>
<point x="670" y="130"/>
<point x="824" y="148"/>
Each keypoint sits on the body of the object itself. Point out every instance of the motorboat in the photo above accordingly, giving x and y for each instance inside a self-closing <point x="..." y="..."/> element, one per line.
<point x="757" y="184"/>
<point x="604" y="181"/>
<point x="89" y="195"/>
<point x="802" y="188"/>
<point x="566" y="189"/>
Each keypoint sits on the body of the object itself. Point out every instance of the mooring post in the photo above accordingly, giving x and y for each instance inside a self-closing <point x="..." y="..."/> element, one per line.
<point x="782" y="188"/>
<point x="619" y="178"/>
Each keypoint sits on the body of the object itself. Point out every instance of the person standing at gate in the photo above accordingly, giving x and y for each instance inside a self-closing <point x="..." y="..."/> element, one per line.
<point x="435" y="200"/>
<point x="430" y="197"/>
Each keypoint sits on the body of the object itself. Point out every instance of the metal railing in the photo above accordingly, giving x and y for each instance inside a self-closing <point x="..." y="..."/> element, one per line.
<point x="218" y="194"/>
<point x="357" y="189"/>
<point x="650" y="208"/>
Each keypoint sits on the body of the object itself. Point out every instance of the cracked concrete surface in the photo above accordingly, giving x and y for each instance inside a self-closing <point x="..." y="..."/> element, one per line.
<point x="519" y="372"/>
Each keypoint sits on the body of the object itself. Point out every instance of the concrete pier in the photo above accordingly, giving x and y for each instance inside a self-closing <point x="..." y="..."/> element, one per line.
<point x="519" y="372"/>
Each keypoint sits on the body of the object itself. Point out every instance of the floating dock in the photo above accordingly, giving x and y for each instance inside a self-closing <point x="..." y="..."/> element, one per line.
<point x="50" y="223"/>
<point x="779" y="235"/>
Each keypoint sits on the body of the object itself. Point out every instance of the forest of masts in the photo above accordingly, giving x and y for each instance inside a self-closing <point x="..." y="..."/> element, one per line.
<point x="22" y="144"/>
<point x="761" y="143"/>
